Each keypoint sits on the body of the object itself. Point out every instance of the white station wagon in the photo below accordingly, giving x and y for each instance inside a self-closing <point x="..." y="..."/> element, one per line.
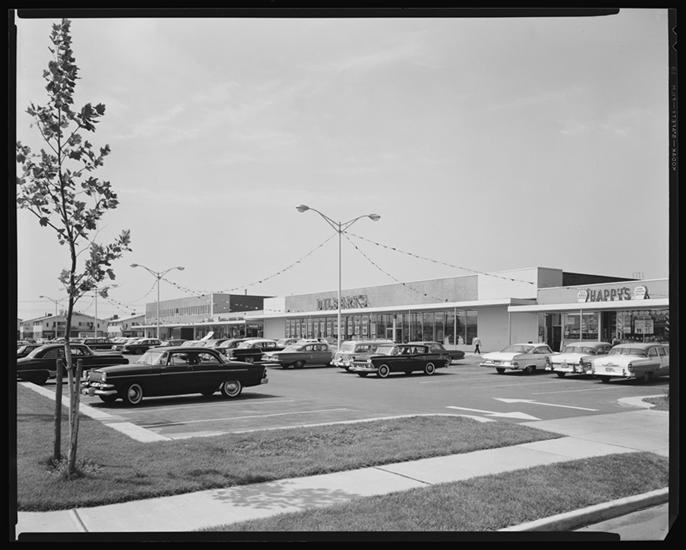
<point x="525" y="357"/>
<point x="643" y="361"/>
<point x="576" y="358"/>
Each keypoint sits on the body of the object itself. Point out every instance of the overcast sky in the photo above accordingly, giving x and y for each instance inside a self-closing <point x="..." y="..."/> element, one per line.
<point x="490" y="144"/>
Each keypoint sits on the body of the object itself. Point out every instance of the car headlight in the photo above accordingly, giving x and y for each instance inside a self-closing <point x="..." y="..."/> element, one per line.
<point x="515" y="364"/>
<point x="630" y="367"/>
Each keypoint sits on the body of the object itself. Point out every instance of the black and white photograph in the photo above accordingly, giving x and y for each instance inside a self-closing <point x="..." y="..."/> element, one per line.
<point x="368" y="274"/>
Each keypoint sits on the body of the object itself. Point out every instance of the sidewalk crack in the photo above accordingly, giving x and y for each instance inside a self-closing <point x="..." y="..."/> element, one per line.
<point x="402" y="475"/>
<point x="75" y="513"/>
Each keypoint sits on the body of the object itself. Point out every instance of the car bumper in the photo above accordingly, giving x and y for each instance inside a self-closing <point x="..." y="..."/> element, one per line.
<point x="363" y="368"/>
<point x="567" y="368"/>
<point x="99" y="389"/>
<point x="614" y="372"/>
<point x="508" y="366"/>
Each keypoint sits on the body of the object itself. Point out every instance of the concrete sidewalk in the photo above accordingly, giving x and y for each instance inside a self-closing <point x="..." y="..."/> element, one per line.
<point x="639" y="430"/>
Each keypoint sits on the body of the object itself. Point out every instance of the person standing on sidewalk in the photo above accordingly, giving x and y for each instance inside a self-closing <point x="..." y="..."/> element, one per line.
<point x="477" y="343"/>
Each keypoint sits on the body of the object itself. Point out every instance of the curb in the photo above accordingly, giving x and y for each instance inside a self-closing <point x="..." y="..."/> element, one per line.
<point x="582" y="517"/>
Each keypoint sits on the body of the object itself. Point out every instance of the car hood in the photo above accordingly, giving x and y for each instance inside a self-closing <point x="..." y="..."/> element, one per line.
<point x="123" y="369"/>
<point x="500" y="356"/>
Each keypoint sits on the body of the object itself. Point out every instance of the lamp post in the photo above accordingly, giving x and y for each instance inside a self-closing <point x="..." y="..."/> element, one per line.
<point x="340" y="228"/>
<point x="158" y="275"/>
<point x="53" y="301"/>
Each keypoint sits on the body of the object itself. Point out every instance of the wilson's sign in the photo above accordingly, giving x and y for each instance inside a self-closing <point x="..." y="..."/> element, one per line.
<point x="347" y="302"/>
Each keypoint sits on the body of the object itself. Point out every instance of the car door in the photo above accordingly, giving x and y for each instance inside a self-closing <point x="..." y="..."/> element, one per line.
<point x="664" y="357"/>
<point x="207" y="371"/>
<point x="176" y="373"/>
<point x="539" y="355"/>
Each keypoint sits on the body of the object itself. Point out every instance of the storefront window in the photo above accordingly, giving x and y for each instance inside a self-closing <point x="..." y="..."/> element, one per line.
<point x="471" y="326"/>
<point x="450" y="326"/>
<point x="440" y="325"/>
<point x="460" y="326"/>
<point x="428" y="326"/>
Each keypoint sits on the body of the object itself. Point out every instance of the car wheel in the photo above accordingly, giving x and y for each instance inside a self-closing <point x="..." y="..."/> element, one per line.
<point x="362" y="374"/>
<point x="561" y="374"/>
<point x="232" y="388"/>
<point x="530" y="369"/>
<point x="383" y="371"/>
<point x="299" y="364"/>
<point x="500" y="370"/>
<point x="429" y="369"/>
<point x="108" y="398"/>
<point x="604" y="379"/>
<point x="133" y="394"/>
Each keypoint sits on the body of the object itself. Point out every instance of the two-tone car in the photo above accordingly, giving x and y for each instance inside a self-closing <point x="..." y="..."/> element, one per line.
<point x="173" y="371"/>
<point x="406" y="358"/>
<point x="527" y="358"/>
<point x="252" y="350"/>
<point x="41" y="363"/>
<point x="298" y="355"/>
<point x="576" y="358"/>
<point x="640" y="361"/>
<point x="353" y="350"/>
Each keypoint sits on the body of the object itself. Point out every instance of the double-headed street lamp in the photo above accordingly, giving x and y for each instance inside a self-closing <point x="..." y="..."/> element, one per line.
<point x="340" y="228"/>
<point x="53" y="301"/>
<point x="158" y="275"/>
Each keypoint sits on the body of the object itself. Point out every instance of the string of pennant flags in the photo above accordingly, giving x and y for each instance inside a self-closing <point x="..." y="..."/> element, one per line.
<point x="413" y="255"/>
<point x="377" y="266"/>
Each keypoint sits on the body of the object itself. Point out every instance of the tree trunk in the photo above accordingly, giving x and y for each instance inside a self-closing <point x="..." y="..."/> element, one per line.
<point x="74" y="420"/>
<point x="57" y="451"/>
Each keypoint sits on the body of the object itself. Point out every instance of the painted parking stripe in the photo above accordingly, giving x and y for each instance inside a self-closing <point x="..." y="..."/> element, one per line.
<point x="228" y="418"/>
<point x="191" y="406"/>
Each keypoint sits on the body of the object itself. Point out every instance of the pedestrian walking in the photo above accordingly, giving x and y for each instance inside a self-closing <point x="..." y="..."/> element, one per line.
<point x="477" y="344"/>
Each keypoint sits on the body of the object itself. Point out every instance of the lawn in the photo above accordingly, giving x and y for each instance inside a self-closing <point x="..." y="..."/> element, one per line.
<point x="485" y="503"/>
<point x="118" y="469"/>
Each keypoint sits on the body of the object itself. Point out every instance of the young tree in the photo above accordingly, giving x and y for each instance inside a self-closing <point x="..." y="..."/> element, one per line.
<point x="57" y="186"/>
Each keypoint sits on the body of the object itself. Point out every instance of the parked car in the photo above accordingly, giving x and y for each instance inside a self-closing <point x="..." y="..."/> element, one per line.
<point x="230" y="344"/>
<point x="437" y="347"/>
<point x="283" y="343"/>
<point x="173" y="371"/>
<point x="641" y="361"/>
<point x="119" y="345"/>
<point x="523" y="357"/>
<point x="97" y="343"/>
<point x="140" y="345"/>
<point x="25" y="349"/>
<point x="41" y="363"/>
<point x="252" y="350"/>
<point x="389" y="358"/>
<point x="299" y="355"/>
<point x="171" y="343"/>
<point x="355" y="350"/>
<point x="576" y="358"/>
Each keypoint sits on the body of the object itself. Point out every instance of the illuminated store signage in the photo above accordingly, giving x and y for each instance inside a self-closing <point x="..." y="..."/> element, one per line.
<point x="347" y="302"/>
<point x="612" y="294"/>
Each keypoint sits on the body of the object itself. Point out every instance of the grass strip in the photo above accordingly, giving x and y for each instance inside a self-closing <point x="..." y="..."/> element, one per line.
<point x="118" y="469"/>
<point x="486" y="503"/>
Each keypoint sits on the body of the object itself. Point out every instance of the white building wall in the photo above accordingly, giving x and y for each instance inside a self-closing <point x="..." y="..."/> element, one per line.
<point x="490" y="287"/>
<point x="274" y="328"/>
<point x="524" y="327"/>
<point x="274" y="305"/>
<point x="491" y="328"/>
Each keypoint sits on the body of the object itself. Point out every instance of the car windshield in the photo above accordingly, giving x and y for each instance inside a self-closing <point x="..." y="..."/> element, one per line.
<point x="580" y="349"/>
<point x="151" y="357"/>
<point x="624" y="350"/>
<point x="386" y="350"/>
<point x="243" y="345"/>
<point x="518" y="348"/>
<point x="294" y="347"/>
<point x="348" y="346"/>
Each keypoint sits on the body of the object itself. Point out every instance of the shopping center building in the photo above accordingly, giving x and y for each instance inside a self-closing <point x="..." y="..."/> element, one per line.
<point x="529" y="304"/>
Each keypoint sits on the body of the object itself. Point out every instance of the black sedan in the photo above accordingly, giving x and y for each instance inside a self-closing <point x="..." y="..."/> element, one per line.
<point x="41" y="363"/>
<point x="173" y="371"/>
<point x="141" y="345"/>
<point x="24" y="349"/>
<point x="405" y="358"/>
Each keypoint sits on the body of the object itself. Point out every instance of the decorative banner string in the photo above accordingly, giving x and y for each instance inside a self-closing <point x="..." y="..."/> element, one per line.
<point x="259" y="281"/>
<point x="391" y="276"/>
<point x="440" y="262"/>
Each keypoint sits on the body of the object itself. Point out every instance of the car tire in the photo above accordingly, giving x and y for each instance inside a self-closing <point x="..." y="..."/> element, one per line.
<point x="500" y="370"/>
<point x="133" y="394"/>
<point x="231" y="388"/>
<point x="429" y="369"/>
<point x="299" y="364"/>
<point x="383" y="371"/>
<point x="109" y="399"/>
<point x="561" y="374"/>
<point x="530" y="369"/>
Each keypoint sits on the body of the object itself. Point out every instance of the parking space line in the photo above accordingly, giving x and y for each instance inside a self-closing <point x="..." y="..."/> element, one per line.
<point x="241" y="417"/>
<point x="604" y="388"/>
<point x="192" y="406"/>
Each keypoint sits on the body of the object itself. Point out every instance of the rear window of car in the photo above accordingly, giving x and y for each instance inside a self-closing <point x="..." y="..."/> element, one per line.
<point x="624" y="350"/>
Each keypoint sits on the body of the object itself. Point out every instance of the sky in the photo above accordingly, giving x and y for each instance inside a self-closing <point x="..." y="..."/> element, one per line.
<point x="484" y="143"/>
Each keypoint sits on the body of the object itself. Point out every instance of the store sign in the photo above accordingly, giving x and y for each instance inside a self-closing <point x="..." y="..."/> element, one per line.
<point x="612" y="294"/>
<point x="347" y="302"/>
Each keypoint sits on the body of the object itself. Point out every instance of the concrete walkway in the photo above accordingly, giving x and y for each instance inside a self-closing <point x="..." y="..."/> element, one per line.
<point x="589" y="436"/>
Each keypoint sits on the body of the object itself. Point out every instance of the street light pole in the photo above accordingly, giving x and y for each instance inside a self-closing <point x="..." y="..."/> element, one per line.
<point x="158" y="275"/>
<point x="96" y="307"/>
<point x="52" y="300"/>
<point x="340" y="228"/>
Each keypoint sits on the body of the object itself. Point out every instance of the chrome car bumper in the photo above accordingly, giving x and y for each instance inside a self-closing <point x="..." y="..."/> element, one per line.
<point x="98" y="388"/>
<point x="573" y="368"/>
<point x="363" y="368"/>
<point x="492" y="365"/>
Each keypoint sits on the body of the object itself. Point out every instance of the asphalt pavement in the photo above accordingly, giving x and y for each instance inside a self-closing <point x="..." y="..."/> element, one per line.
<point x="624" y="432"/>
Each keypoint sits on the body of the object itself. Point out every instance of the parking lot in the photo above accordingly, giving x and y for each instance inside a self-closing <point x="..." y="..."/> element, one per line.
<point x="319" y="395"/>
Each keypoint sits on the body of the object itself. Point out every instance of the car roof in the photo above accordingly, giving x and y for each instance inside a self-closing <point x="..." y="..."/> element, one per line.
<point x="185" y="349"/>
<point x="587" y="343"/>
<point x="639" y="345"/>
